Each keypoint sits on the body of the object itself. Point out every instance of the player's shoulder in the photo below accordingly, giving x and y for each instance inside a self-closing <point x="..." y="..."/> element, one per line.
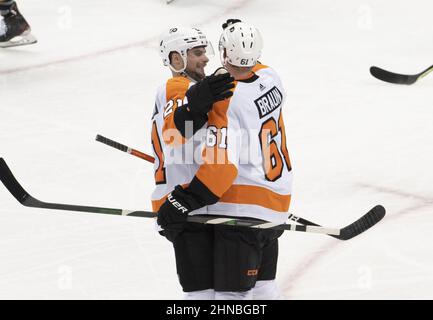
<point x="260" y="68"/>
<point x="178" y="82"/>
<point x="177" y="86"/>
<point x="267" y="73"/>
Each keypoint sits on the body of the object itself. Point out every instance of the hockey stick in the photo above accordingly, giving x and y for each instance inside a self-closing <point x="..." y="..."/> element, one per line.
<point x="122" y="147"/>
<point x="365" y="222"/>
<point x="397" y="78"/>
<point x="26" y="199"/>
<point x="23" y="197"/>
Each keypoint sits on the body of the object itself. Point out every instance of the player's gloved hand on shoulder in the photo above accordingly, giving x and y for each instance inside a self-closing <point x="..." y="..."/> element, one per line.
<point x="211" y="89"/>
<point x="173" y="213"/>
<point x="230" y="22"/>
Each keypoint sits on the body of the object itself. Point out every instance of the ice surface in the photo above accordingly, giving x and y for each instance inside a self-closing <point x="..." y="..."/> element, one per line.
<point x="354" y="142"/>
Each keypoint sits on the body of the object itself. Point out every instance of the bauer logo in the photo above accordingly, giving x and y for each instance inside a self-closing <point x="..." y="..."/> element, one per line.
<point x="269" y="102"/>
<point x="176" y="204"/>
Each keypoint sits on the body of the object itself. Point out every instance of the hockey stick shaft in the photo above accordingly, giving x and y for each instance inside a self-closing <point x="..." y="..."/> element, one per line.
<point x="350" y="231"/>
<point x="124" y="148"/>
<point x="426" y="72"/>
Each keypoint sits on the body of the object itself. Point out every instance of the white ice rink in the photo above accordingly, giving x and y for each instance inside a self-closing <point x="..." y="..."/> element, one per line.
<point x="354" y="142"/>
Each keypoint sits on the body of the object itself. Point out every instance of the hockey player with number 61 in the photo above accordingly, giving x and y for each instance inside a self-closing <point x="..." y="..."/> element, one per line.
<point x="245" y="171"/>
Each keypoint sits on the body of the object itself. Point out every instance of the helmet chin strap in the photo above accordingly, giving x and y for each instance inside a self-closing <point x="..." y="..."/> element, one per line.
<point x="177" y="71"/>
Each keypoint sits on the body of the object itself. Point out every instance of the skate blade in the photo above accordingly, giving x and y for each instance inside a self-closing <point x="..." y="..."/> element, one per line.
<point x="23" y="40"/>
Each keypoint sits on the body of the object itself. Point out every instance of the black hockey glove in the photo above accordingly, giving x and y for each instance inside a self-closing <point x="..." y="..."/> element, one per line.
<point x="230" y="22"/>
<point x="211" y="89"/>
<point x="173" y="213"/>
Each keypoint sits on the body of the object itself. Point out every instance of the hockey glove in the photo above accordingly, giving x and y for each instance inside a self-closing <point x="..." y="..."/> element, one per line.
<point x="173" y="213"/>
<point x="230" y="22"/>
<point x="211" y="89"/>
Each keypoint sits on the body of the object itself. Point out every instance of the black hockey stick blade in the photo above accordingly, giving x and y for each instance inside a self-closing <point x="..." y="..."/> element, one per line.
<point x="27" y="200"/>
<point x="352" y="230"/>
<point x="398" y="78"/>
<point x="362" y="224"/>
<point x="12" y="184"/>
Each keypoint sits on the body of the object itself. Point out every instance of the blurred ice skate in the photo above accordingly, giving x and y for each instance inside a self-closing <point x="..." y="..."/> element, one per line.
<point x="14" y="29"/>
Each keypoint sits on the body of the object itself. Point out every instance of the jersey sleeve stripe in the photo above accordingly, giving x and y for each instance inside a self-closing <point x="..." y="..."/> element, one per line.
<point x="248" y="194"/>
<point x="217" y="177"/>
<point x="156" y="204"/>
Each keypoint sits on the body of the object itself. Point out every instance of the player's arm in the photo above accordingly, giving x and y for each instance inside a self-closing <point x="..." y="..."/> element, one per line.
<point x="192" y="115"/>
<point x="220" y="155"/>
<point x="215" y="176"/>
<point x="175" y="91"/>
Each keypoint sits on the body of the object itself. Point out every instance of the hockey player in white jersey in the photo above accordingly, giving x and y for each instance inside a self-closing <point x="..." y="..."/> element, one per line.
<point x="14" y="29"/>
<point x="185" y="51"/>
<point x="245" y="172"/>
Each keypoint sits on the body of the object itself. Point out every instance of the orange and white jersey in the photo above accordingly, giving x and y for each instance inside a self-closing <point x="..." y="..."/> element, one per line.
<point x="172" y="165"/>
<point x="243" y="159"/>
<point x="246" y="162"/>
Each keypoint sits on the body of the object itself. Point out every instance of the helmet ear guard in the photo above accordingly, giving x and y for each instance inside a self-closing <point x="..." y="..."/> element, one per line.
<point x="183" y="56"/>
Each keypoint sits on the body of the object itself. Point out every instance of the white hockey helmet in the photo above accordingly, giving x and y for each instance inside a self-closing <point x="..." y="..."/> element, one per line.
<point x="180" y="40"/>
<point x="242" y="43"/>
